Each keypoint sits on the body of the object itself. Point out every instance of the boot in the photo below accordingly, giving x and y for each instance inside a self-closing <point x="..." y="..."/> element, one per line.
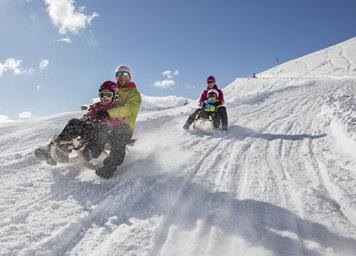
<point x="106" y="171"/>
<point x="186" y="126"/>
<point x="224" y="118"/>
<point x="191" y="119"/>
<point x="44" y="155"/>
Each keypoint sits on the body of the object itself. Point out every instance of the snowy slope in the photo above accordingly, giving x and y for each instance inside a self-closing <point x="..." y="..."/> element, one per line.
<point x="280" y="182"/>
<point x="338" y="60"/>
<point x="4" y="119"/>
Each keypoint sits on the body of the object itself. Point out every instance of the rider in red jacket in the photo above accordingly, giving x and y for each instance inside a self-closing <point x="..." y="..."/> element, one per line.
<point x="220" y="116"/>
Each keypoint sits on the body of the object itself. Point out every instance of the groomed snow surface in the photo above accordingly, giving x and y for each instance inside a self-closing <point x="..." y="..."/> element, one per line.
<point x="281" y="181"/>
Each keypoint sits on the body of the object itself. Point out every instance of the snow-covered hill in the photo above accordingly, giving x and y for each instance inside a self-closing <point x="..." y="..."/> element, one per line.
<point x="161" y="103"/>
<point x="337" y="60"/>
<point x="281" y="181"/>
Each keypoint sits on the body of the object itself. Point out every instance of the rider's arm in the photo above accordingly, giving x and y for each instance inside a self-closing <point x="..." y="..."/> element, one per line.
<point x="132" y="105"/>
<point x="221" y="97"/>
<point x="202" y="99"/>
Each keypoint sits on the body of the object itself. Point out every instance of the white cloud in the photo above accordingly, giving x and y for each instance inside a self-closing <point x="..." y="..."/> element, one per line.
<point x="164" y="84"/>
<point x="167" y="73"/>
<point x="12" y="64"/>
<point x="66" y="18"/>
<point x="38" y="87"/>
<point x="25" y="115"/>
<point x="170" y="73"/>
<point x="168" y="82"/>
<point x="43" y="65"/>
<point x="65" y="40"/>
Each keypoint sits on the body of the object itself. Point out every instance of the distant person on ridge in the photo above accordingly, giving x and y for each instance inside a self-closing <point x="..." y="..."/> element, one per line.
<point x="220" y="116"/>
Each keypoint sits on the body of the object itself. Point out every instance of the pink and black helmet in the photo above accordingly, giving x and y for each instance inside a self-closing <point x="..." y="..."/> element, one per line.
<point x="111" y="86"/>
<point x="210" y="79"/>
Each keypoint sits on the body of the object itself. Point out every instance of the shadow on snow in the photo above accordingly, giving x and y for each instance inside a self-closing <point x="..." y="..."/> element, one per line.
<point x="182" y="203"/>
<point x="240" y="133"/>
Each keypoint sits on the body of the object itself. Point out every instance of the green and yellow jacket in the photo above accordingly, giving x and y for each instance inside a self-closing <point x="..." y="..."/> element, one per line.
<point x="129" y="104"/>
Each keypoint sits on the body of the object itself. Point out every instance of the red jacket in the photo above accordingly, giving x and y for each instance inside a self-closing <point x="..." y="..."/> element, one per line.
<point x="100" y="106"/>
<point x="204" y="95"/>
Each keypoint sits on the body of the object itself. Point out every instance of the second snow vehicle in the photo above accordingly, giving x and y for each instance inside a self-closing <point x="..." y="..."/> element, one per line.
<point x="204" y="117"/>
<point x="209" y="111"/>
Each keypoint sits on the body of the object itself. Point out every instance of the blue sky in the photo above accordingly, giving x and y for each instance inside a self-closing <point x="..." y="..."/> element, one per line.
<point x="52" y="61"/>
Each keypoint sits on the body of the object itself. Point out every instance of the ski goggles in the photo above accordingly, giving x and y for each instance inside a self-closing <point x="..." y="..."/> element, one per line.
<point x="211" y="81"/>
<point x="122" y="73"/>
<point x="106" y="94"/>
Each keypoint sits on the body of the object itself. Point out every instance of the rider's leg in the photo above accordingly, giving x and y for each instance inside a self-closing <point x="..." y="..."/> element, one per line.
<point x="216" y="119"/>
<point x="191" y="118"/>
<point x="118" y="139"/>
<point x="95" y="137"/>
<point x="223" y="115"/>
<point x="72" y="130"/>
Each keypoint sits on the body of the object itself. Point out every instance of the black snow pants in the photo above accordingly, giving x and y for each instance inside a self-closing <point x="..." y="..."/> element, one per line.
<point x="96" y="135"/>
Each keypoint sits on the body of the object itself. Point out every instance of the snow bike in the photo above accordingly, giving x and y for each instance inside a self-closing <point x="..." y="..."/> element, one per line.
<point x="71" y="151"/>
<point x="205" y="117"/>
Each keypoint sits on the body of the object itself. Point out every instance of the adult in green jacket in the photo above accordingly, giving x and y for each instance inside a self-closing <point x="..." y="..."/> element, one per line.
<point x="129" y="104"/>
<point x="129" y="98"/>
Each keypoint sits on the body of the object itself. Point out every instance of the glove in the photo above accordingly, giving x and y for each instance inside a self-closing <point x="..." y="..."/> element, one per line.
<point x="216" y="103"/>
<point x="102" y="114"/>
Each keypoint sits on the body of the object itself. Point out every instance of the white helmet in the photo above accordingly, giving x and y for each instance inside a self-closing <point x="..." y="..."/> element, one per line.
<point x="214" y="91"/>
<point x="123" y="68"/>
